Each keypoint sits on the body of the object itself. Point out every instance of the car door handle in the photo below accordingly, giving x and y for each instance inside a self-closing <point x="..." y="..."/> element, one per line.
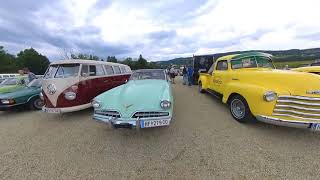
<point x="106" y="81"/>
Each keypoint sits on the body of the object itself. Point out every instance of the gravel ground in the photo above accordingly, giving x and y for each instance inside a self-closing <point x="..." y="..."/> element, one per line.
<point x="203" y="142"/>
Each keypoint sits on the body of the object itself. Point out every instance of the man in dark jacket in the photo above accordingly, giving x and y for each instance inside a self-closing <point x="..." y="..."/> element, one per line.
<point x="185" y="75"/>
<point x="190" y="74"/>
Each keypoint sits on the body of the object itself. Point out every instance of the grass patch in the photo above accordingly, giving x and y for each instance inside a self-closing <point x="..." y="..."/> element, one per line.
<point x="292" y="64"/>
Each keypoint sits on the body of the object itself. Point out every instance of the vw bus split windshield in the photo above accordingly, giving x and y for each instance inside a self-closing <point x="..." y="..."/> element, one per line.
<point x="62" y="71"/>
<point x="252" y="62"/>
<point x="148" y="74"/>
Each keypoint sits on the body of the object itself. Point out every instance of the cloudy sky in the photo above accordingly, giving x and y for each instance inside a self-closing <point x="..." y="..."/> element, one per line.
<point x="158" y="30"/>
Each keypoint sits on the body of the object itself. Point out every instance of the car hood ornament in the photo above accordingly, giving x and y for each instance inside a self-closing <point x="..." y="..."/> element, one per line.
<point x="127" y="106"/>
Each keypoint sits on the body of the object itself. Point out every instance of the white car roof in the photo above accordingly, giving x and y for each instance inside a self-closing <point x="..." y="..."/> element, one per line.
<point x="81" y="61"/>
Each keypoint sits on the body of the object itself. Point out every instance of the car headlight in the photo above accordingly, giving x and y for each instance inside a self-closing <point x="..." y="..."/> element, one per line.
<point x="41" y="96"/>
<point x="165" y="104"/>
<point x="70" y="95"/>
<point x="8" y="101"/>
<point x="270" y="96"/>
<point x="96" y="104"/>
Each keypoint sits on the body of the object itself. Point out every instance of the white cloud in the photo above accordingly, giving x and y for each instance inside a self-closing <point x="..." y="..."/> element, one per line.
<point x="168" y="28"/>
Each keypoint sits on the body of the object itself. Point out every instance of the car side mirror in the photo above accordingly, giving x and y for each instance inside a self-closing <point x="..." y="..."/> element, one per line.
<point x="202" y="71"/>
<point x="84" y="74"/>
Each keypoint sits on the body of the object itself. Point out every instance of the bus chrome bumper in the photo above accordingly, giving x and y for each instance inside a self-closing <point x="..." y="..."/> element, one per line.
<point x="130" y="123"/>
<point x="66" y="109"/>
<point x="289" y="123"/>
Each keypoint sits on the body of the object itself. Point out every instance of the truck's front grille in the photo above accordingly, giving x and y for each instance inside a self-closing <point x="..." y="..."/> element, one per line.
<point x="150" y="114"/>
<point x="111" y="114"/>
<point x="299" y="107"/>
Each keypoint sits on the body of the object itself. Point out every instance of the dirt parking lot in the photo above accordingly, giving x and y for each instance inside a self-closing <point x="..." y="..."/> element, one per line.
<point x="203" y="142"/>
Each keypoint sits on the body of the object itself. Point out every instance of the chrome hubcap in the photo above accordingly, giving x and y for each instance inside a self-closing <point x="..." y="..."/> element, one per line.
<point x="238" y="109"/>
<point x="38" y="103"/>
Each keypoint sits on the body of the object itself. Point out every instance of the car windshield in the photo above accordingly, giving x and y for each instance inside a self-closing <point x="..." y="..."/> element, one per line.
<point x="148" y="74"/>
<point x="252" y="62"/>
<point x="8" y="82"/>
<point x="62" y="71"/>
<point x="35" y="83"/>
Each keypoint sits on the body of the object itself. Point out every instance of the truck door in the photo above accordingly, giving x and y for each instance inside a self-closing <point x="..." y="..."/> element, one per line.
<point x="219" y="76"/>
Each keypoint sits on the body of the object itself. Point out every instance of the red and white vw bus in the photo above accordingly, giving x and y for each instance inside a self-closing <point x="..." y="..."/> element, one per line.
<point x="70" y="85"/>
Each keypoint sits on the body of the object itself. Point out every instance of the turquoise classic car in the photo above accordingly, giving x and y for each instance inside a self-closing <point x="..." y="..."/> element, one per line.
<point x="144" y="101"/>
<point x="22" y="95"/>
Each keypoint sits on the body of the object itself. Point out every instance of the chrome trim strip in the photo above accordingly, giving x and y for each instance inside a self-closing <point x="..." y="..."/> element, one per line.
<point x="283" y="122"/>
<point x="296" y="112"/>
<point x="32" y="97"/>
<point x="297" y="117"/>
<point x="300" y="97"/>
<point x="297" y="107"/>
<point x="160" y="114"/>
<point x="298" y="102"/>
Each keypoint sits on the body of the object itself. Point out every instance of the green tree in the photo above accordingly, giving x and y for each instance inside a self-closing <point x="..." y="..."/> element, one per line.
<point x="31" y="59"/>
<point x="7" y="62"/>
<point x="85" y="56"/>
<point x="112" y="59"/>
<point x="142" y="63"/>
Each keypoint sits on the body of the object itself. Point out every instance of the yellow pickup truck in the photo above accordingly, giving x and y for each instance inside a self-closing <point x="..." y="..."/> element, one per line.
<point x="309" y="69"/>
<point x="254" y="89"/>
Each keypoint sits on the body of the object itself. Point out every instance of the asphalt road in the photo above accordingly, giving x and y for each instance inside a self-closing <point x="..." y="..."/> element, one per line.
<point x="203" y="142"/>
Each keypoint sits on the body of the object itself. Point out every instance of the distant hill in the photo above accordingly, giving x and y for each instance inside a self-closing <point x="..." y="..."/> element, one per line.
<point x="292" y="55"/>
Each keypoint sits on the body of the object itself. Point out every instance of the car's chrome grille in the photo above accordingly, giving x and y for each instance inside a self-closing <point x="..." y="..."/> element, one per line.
<point x="111" y="114"/>
<point x="299" y="107"/>
<point x="150" y="114"/>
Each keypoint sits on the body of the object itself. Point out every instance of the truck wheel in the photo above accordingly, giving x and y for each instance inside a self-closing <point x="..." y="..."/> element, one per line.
<point x="201" y="90"/>
<point x="240" y="110"/>
<point x="36" y="104"/>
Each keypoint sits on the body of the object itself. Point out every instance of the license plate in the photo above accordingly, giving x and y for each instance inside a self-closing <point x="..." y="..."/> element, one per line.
<point x="51" y="110"/>
<point x="315" y="127"/>
<point x="154" y="123"/>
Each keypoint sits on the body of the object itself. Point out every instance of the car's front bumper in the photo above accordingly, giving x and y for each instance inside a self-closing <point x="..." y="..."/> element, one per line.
<point x="127" y="122"/>
<point x="66" y="109"/>
<point x="9" y="107"/>
<point x="286" y="122"/>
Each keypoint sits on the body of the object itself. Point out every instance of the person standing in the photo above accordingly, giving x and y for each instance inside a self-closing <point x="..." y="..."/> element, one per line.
<point x="190" y="74"/>
<point x="20" y="78"/>
<point x="31" y="76"/>
<point x="185" y="75"/>
<point x="172" y="75"/>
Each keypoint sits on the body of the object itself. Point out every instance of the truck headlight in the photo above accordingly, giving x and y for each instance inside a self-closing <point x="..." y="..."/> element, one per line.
<point x="96" y="104"/>
<point x="8" y="101"/>
<point x="165" y="104"/>
<point x="270" y="96"/>
<point x="70" y="95"/>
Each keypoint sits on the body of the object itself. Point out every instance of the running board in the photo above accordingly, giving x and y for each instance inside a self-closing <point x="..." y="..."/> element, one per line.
<point x="214" y="93"/>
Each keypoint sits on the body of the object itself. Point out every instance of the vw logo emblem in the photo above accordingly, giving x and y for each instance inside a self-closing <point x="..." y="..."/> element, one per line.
<point x="51" y="88"/>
